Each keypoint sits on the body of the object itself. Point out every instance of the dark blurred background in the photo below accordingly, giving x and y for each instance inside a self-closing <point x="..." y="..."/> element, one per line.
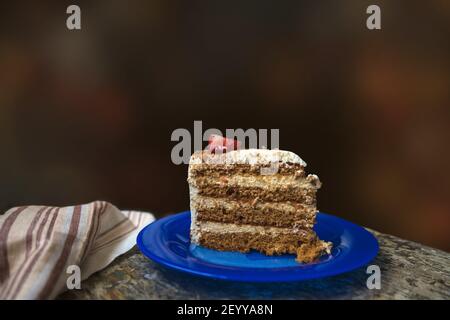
<point x="88" y="114"/>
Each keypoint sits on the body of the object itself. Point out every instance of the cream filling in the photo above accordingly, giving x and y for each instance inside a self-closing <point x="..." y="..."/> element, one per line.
<point x="260" y="181"/>
<point x="218" y="227"/>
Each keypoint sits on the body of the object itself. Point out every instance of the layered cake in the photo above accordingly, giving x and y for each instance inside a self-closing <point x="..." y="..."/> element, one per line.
<point x="254" y="199"/>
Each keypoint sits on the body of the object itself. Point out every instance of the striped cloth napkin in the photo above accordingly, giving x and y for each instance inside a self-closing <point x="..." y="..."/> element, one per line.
<point x="38" y="244"/>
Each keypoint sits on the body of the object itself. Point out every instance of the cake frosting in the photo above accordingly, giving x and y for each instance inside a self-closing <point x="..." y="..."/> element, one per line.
<point x="248" y="156"/>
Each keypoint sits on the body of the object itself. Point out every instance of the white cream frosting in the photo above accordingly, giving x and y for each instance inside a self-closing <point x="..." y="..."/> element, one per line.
<point x="219" y="227"/>
<point x="263" y="182"/>
<point x="250" y="156"/>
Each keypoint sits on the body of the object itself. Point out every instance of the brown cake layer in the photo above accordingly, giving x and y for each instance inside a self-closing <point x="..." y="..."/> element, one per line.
<point x="270" y="244"/>
<point x="276" y="194"/>
<point x="216" y="170"/>
<point x="255" y="213"/>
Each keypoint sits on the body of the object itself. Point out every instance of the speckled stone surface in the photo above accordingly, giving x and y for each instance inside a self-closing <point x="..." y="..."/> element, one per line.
<point x="408" y="271"/>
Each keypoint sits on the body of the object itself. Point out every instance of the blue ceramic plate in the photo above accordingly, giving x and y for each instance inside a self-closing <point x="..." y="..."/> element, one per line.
<point x="166" y="241"/>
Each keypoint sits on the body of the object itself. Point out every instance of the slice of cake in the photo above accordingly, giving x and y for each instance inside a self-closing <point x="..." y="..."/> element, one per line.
<point x="254" y="199"/>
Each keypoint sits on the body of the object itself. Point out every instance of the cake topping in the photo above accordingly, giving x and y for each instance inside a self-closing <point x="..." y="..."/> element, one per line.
<point x="229" y="150"/>
<point x="247" y="156"/>
<point x="219" y="144"/>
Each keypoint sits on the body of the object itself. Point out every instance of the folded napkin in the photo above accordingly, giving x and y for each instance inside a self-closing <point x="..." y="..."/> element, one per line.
<point x="39" y="244"/>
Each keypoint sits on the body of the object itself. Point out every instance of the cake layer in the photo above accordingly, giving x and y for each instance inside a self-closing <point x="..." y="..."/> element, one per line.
<point x="281" y="214"/>
<point x="216" y="170"/>
<point x="259" y="181"/>
<point x="232" y="237"/>
<point x="276" y="194"/>
<point x="244" y="242"/>
<point x="269" y="240"/>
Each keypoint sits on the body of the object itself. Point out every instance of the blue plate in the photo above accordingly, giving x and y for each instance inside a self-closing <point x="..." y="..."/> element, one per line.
<point x="166" y="241"/>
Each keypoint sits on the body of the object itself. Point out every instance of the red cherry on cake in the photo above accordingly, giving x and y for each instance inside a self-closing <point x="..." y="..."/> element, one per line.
<point x="221" y="144"/>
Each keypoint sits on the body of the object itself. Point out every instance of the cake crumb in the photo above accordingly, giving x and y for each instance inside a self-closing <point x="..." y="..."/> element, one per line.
<point x="310" y="252"/>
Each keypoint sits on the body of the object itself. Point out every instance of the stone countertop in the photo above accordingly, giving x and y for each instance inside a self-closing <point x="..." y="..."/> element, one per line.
<point x="408" y="271"/>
